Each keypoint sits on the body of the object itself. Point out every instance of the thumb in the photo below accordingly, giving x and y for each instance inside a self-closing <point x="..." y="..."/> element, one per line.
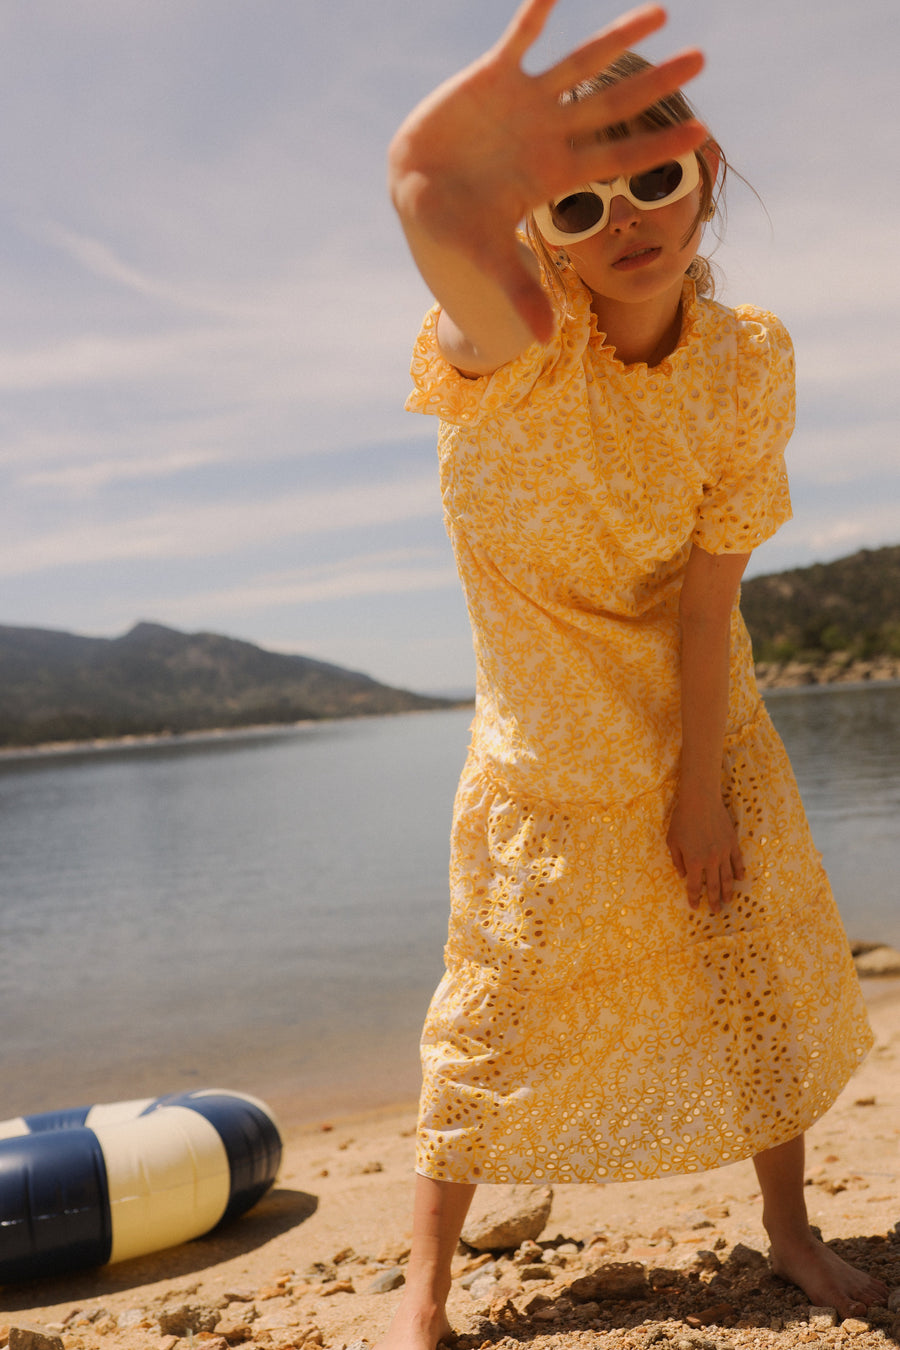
<point x="503" y="262"/>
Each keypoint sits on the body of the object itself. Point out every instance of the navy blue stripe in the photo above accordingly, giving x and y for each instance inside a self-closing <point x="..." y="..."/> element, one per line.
<point x="73" y="1118"/>
<point x="251" y="1141"/>
<point x="54" y="1204"/>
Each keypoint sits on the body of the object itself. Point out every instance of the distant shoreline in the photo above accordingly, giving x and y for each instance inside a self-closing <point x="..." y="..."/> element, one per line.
<point x="835" y="670"/>
<point x="141" y="740"/>
<point x="770" y="675"/>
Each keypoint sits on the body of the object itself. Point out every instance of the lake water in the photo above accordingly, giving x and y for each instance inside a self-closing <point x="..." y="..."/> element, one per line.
<point x="266" y="912"/>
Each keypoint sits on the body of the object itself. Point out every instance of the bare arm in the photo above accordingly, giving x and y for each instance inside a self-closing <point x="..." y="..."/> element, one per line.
<point x="474" y="157"/>
<point x="702" y="839"/>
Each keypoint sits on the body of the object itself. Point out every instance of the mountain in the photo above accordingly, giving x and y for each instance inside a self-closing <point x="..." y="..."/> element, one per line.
<point x="850" y="607"/>
<point x="61" y="687"/>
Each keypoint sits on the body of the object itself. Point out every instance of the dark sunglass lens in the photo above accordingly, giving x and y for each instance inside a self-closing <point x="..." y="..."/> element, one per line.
<point x="657" y="183"/>
<point x="577" y="212"/>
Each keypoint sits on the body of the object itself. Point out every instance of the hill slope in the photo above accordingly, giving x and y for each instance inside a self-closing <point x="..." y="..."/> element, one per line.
<point x="850" y="606"/>
<point x="58" y="686"/>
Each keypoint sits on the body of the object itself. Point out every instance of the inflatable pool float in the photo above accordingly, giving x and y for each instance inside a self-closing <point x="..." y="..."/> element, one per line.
<point x="104" y="1183"/>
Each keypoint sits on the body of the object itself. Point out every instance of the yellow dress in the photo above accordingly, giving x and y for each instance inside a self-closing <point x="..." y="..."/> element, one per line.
<point x="590" y="1026"/>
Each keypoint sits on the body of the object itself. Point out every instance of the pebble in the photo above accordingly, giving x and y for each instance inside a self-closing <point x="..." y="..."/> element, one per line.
<point x="619" y="1279"/>
<point x="717" y="1314"/>
<point x="538" y="1271"/>
<point x="186" y="1319"/>
<point x="854" y="1326"/>
<point x="821" y="1318"/>
<point x="34" y="1338"/>
<point x="387" y="1281"/>
<point x="483" y="1268"/>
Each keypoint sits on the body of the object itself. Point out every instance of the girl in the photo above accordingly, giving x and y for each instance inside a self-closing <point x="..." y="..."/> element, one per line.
<point x="646" y="972"/>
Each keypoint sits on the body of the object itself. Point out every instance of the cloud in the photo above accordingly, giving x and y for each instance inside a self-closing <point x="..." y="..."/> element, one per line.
<point x="214" y="528"/>
<point x="395" y="572"/>
<point x="85" y="479"/>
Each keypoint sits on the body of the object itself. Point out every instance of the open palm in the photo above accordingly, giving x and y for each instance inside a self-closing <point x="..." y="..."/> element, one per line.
<point x="494" y="141"/>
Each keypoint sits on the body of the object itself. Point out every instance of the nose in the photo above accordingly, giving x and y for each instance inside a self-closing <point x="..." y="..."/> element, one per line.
<point x="623" y="214"/>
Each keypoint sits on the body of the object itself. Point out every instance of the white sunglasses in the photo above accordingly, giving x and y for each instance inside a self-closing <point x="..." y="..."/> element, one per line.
<point x="584" y="212"/>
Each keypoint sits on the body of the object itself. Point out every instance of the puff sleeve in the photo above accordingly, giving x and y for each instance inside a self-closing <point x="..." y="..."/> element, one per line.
<point x="439" y="388"/>
<point x="751" y="499"/>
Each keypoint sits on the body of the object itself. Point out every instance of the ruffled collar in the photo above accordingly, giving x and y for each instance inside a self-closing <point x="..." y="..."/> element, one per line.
<point x="690" y="317"/>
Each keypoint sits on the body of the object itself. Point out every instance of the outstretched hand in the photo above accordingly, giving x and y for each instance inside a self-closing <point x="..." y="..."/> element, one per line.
<point x="494" y="141"/>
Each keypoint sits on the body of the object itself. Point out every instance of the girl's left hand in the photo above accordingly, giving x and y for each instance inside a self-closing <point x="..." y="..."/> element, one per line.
<point x="704" y="848"/>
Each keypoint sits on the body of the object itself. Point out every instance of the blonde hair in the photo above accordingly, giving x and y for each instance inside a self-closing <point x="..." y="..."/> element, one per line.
<point x="669" y="111"/>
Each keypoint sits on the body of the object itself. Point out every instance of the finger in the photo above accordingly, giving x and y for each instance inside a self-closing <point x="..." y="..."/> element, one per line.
<point x="597" y="53"/>
<point x="714" y="888"/>
<point x="523" y="290"/>
<point x="627" y="99"/>
<point x="737" y="863"/>
<point x="677" y="860"/>
<point x="608" y="159"/>
<point x="726" y="882"/>
<point x="694" y="886"/>
<point x="525" y="28"/>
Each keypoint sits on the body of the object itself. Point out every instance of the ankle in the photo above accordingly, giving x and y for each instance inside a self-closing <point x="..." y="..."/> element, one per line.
<point x="791" y="1232"/>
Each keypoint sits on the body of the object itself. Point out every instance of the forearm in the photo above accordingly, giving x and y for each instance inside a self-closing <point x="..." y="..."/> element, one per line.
<point x="701" y="836"/>
<point x="479" y="329"/>
<point x="705" y="652"/>
<point x="708" y="595"/>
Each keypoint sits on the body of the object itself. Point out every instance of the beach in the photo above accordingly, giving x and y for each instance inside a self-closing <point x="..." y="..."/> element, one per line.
<point x="678" y="1262"/>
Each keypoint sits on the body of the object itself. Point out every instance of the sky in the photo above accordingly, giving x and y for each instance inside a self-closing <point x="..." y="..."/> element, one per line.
<point x="207" y="310"/>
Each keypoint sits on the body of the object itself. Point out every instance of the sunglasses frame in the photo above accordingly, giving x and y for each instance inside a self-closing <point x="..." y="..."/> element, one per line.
<point x="616" y="187"/>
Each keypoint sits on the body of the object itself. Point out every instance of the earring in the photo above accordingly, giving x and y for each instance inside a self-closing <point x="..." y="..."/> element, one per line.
<point x="562" y="258"/>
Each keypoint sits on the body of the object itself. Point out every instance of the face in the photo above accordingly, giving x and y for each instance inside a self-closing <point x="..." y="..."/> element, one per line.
<point x="639" y="255"/>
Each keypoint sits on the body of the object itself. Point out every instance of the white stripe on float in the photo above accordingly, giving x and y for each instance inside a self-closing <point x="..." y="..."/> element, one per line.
<point x="11" y="1129"/>
<point x="110" y="1113"/>
<point x="169" y="1179"/>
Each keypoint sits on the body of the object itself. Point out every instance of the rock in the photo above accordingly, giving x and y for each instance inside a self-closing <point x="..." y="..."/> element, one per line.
<point x="854" y="1326"/>
<point x="878" y="961"/>
<point x="503" y="1217"/>
<point x="742" y="1257"/>
<point x="894" y="1300"/>
<point x="483" y="1268"/>
<point x="504" y="1313"/>
<point x="706" y="1260"/>
<point x="386" y="1281"/>
<point x="538" y="1271"/>
<point x="132" y="1317"/>
<point x="234" y="1328"/>
<point x="536" y="1303"/>
<point x="820" y="1318"/>
<point x="34" y="1338"/>
<point x="186" y="1319"/>
<point x="483" y="1287"/>
<point x="528" y="1253"/>
<point x="718" y="1314"/>
<point x="619" y="1279"/>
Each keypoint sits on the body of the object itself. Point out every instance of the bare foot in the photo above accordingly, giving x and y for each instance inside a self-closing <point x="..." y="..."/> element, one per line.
<point x="416" y="1328"/>
<point x="827" y="1281"/>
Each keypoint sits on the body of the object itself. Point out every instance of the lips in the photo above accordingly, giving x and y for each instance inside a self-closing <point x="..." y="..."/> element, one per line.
<point x="637" y="257"/>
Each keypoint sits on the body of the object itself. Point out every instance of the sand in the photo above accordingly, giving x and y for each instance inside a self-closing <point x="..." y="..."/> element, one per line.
<point x="298" y="1268"/>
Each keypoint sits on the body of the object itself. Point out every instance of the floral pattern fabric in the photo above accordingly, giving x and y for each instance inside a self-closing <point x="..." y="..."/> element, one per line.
<point x="590" y="1026"/>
